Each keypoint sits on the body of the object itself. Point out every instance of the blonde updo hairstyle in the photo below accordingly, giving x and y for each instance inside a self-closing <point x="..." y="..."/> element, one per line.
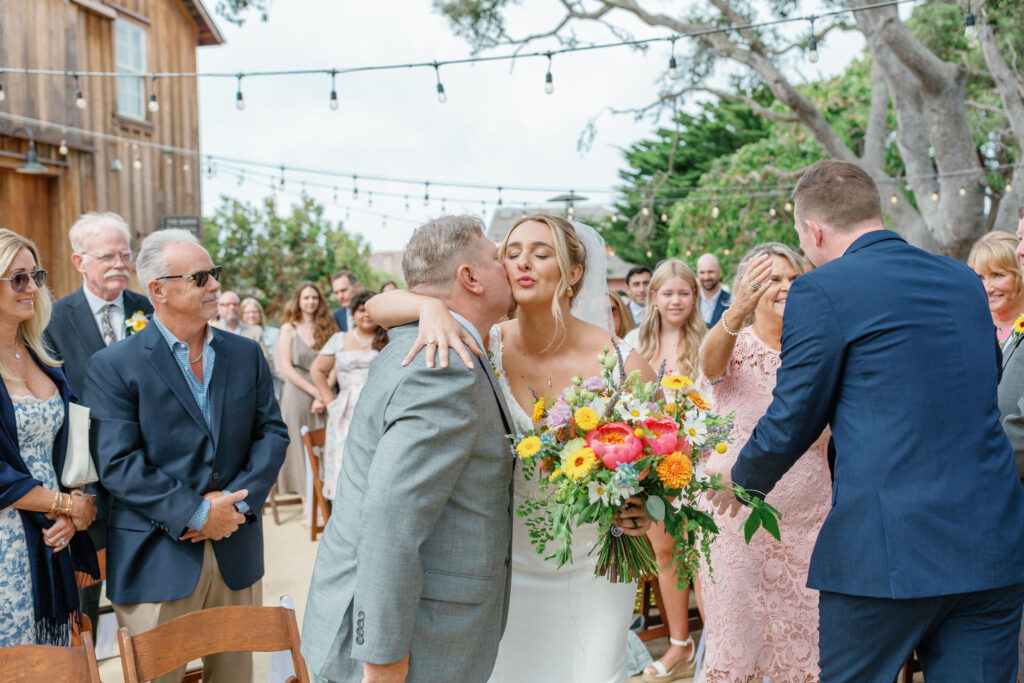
<point x="29" y="331"/>
<point x="569" y="252"/>
<point x="996" y="250"/>
<point x="772" y="249"/>
<point x="693" y="330"/>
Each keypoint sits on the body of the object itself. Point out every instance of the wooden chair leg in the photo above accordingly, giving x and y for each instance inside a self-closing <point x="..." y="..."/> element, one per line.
<point x="314" y="509"/>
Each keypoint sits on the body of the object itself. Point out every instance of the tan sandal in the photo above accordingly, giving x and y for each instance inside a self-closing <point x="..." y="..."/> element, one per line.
<point x="683" y="669"/>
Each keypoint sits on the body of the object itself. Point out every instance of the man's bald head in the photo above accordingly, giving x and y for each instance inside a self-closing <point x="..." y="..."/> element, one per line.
<point x="709" y="274"/>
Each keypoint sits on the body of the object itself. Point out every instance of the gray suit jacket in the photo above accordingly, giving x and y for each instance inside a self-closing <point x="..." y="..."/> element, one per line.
<point x="1011" y="400"/>
<point x="415" y="556"/>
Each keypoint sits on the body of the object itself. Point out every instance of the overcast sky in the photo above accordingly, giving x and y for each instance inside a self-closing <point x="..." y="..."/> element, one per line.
<point x="498" y="127"/>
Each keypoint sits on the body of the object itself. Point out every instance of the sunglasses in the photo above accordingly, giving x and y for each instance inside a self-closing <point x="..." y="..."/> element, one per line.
<point x="19" y="281"/>
<point x="200" y="279"/>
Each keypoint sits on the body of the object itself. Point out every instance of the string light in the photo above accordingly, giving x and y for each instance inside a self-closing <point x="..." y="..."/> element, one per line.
<point x="241" y="177"/>
<point x="444" y="209"/>
<point x="935" y="196"/>
<point x="426" y="194"/>
<point x="137" y="164"/>
<point x="153" y="105"/>
<point x="335" y="196"/>
<point x="970" y="29"/>
<point x="788" y="207"/>
<point x="355" y="187"/>
<point x="3" y="95"/>
<point x="894" y="199"/>
<point x="963" y="191"/>
<point x="549" y="83"/>
<point x="280" y="185"/>
<point x="664" y="217"/>
<point x="715" y="212"/>
<point x="79" y="97"/>
<point x="369" y="199"/>
<point x="499" y="196"/>
<point x="239" y="100"/>
<point x="406" y="202"/>
<point x="1009" y="188"/>
<point x="812" y="45"/>
<point x="441" y="96"/>
<point x="673" y="72"/>
<point x="334" y="93"/>
<point x="649" y="253"/>
<point x="63" y="149"/>
<point x="772" y="212"/>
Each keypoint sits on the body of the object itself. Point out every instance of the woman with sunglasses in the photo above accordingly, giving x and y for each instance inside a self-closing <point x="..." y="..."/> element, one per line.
<point x="39" y="518"/>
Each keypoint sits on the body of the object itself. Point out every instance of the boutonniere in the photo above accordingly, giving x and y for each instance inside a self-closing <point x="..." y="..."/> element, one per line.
<point x="494" y="368"/>
<point x="136" y="323"/>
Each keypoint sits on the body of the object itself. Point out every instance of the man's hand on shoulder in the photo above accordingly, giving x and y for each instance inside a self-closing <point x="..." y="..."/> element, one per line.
<point x="396" y="672"/>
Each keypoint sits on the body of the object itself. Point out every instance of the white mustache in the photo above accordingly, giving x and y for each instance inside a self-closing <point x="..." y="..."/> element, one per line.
<point x="117" y="273"/>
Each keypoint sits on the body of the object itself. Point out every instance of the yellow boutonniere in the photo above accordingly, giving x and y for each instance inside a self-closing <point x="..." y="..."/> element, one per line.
<point x="137" y="322"/>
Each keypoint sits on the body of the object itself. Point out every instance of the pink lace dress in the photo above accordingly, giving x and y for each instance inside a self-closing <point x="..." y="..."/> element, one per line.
<point x="761" y="619"/>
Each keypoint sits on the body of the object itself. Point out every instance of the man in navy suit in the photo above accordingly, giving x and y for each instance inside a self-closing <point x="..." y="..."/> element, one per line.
<point x="189" y="441"/>
<point x="713" y="299"/>
<point x="345" y="285"/>
<point x="894" y="349"/>
<point x="89" y="319"/>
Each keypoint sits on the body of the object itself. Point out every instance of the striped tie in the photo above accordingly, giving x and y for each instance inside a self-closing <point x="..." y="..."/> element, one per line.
<point x="106" y="327"/>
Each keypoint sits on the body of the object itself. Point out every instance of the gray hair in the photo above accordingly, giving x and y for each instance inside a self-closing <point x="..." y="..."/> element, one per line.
<point x="88" y="224"/>
<point x="774" y="249"/>
<point x="437" y="248"/>
<point x="151" y="263"/>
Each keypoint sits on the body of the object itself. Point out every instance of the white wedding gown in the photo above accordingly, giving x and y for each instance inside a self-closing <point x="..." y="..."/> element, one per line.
<point x="564" y="625"/>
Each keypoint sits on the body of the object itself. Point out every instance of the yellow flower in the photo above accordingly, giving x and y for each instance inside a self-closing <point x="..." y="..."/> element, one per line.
<point x="676" y="382"/>
<point x="579" y="464"/>
<point x="529" y="447"/>
<point x="638" y="433"/>
<point x="538" y="410"/>
<point x="721" y="448"/>
<point x="137" y="322"/>
<point x="586" y="418"/>
<point x="675" y="471"/>
<point x="670" y="408"/>
<point x="554" y="474"/>
<point x="698" y="401"/>
<point x="1018" y="324"/>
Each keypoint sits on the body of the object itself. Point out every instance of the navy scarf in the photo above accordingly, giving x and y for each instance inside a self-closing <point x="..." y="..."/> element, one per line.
<point x="54" y="591"/>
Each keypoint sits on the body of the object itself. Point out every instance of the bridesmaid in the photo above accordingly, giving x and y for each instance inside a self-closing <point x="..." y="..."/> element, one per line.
<point x="670" y="333"/>
<point x="761" y="619"/>
<point x="349" y="354"/>
<point x="306" y="325"/>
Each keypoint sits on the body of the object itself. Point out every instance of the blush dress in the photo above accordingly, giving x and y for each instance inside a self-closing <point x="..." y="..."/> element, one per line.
<point x="761" y="619"/>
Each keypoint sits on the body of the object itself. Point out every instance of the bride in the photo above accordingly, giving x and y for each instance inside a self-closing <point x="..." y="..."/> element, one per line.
<point x="565" y="624"/>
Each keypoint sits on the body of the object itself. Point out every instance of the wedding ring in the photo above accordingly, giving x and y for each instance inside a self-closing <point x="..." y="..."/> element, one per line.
<point x="755" y="286"/>
<point x="636" y="524"/>
<point x="61" y="541"/>
<point x="431" y="341"/>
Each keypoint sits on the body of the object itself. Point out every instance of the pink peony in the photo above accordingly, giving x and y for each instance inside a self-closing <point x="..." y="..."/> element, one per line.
<point x="666" y="435"/>
<point x="615" y="443"/>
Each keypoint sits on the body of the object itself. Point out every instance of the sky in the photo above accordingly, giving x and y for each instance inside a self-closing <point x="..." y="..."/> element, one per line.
<point x="497" y="128"/>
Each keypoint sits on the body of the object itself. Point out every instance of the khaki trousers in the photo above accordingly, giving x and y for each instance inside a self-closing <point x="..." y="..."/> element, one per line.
<point x="210" y="591"/>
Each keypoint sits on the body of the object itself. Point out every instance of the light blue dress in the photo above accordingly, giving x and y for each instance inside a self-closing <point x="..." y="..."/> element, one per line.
<point x="38" y="423"/>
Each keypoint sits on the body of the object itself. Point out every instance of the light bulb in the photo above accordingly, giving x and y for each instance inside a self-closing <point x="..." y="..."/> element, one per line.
<point x="715" y="211"/>
<point x="789" y="206"/>
<point x="239" y="101"/>
<point x="689" y="253"/>
<point x="334" y="100"/>
<point x="935" y="196"/>
<point x="664" y="217"/>
<point x="63" y="149"/>
<point x="355" y="193"/>
<point x="80" y="100"/>
<point x="3" y="95"/>
<point x="1009" y="188"/>
<point x="153" y="105"/>
<point x="727" y="252"/>
<point x="812" y="50"/>
<point x="426" y="200"/>
<point x="441" y="96"/>
<point x="894" y="199"/>
<point x="209" y="169"/>
<point x="185" y="166"/>
<point x="280" y="185"/>
<point x="772" y="212"/>
<point x="645" y="211"/>
<point x="673" y="72"/>
<point x="137" y="164"/>
<point x="549" y="84"/>
<point x="649" y="254"/>
<point x="970" y="30"/>
<point x="963" y="191"/>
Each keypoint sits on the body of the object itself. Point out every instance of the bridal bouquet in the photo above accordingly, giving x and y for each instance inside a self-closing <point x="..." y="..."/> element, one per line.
<point x="602" y="442"/>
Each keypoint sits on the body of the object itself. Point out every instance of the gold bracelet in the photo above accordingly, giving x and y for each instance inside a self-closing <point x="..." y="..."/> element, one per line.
<point x="67" y="512"/>
<point x="56" y="502"/>
<point x="729" y="330"/>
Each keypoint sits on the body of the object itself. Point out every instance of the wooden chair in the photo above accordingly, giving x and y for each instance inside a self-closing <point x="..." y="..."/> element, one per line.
<point x="315" y="438"/>
<point x="208" y="632"/>
<point x="45" y="663"/>
<point x="654" y="625"/>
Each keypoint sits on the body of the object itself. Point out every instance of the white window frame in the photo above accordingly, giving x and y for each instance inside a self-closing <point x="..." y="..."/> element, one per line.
<point x="138" y="70"/>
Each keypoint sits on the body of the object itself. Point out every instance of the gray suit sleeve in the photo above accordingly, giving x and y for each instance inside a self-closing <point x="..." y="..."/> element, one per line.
<point x="1013" y="423"/>
<point x="429" y="432"/>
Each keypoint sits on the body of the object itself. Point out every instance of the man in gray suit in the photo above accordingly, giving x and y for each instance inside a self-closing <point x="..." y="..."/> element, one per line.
<point x="411" y="580"/>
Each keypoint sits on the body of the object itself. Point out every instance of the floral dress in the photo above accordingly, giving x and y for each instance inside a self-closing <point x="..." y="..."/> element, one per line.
<point x="761" y="619"/>
<point x="351" y="367"/>
<point x="38" y="423"/>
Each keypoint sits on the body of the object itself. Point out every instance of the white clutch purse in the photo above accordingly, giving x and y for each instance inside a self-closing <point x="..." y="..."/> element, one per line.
<point x="78" y="467"/>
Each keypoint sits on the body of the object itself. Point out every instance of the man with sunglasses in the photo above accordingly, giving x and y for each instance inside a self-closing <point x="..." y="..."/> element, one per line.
<point x="189" y="441"/>
<point x="89" y="319"/>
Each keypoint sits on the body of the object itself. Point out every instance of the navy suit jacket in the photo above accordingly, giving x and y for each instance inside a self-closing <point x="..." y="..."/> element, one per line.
<point x="723" y="303"/>
<point x="894" y="348"/>
<point x="158" y="457"/>
<point x="341" y="319"/>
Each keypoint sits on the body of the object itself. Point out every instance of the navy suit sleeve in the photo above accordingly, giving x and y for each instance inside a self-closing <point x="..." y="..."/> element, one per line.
<point x="805" y="390"/>
<point x="124" y="467"/>
<point x="269" y="441"/>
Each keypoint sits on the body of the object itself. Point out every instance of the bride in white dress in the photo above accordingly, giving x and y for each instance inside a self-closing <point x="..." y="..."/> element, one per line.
<point x="564" y="625"/>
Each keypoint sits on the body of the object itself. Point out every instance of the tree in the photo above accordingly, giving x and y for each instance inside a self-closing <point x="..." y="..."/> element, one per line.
<point x="266" y="255"/>
<point x="923" y="85"/>
<point x="234" y="11"/>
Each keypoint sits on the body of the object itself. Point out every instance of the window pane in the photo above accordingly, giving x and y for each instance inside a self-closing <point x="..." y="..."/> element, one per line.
<point x="130" y="50"/>
<point x="129" y="96"/>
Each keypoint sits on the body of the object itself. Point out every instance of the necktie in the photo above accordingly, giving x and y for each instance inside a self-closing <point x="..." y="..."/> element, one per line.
<point x="106" y="328"/>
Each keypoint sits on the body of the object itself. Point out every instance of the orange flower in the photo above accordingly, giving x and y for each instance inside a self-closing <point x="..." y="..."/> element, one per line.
<point x="670" y="408"/>
<point x="675" y="471"/>
<point x="698" y="401"/>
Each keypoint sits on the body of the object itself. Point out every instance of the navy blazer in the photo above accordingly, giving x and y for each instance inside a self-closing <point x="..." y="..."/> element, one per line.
<point x="894" y="348"/>
<point x="158" y="457"/>
<point x="720" y="306"/>
<point x="341" y="319"/>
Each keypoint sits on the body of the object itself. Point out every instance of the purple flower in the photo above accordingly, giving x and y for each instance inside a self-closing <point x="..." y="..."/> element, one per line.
<point x="595" y="383"/>
<point x="559" y="415"/>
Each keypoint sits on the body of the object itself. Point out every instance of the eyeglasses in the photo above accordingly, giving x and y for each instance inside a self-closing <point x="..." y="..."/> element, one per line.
<point x="200" y="278"/>
<point x="108" y="259"/>
<point x="19" y="281"/>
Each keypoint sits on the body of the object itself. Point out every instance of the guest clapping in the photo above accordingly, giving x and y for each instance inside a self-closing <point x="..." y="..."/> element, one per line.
<point x="992" y="258"/>
<point x="742" y="352"/>
<point x="349" y="354"/>
<point x="38" y="517"/>
<point x="670" y="334"/>
<point x="306" y="325"/>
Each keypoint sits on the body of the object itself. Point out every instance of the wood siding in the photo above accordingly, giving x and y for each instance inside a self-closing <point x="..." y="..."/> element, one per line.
<point x="80" y="36"/>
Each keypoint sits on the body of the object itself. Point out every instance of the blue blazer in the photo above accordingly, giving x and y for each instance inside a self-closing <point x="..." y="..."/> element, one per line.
<point x="723" y="303"/>
<point x="157" y="457"/>
<point x="341" y="319"/>
<point x="894" y="348"/>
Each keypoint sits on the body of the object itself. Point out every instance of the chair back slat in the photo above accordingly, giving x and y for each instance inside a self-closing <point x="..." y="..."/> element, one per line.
<point x="207" y="632"/>
<point x="46" y="663"/>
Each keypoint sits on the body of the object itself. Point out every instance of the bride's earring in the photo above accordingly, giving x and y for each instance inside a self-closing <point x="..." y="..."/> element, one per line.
<point x="568" y="291"/>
